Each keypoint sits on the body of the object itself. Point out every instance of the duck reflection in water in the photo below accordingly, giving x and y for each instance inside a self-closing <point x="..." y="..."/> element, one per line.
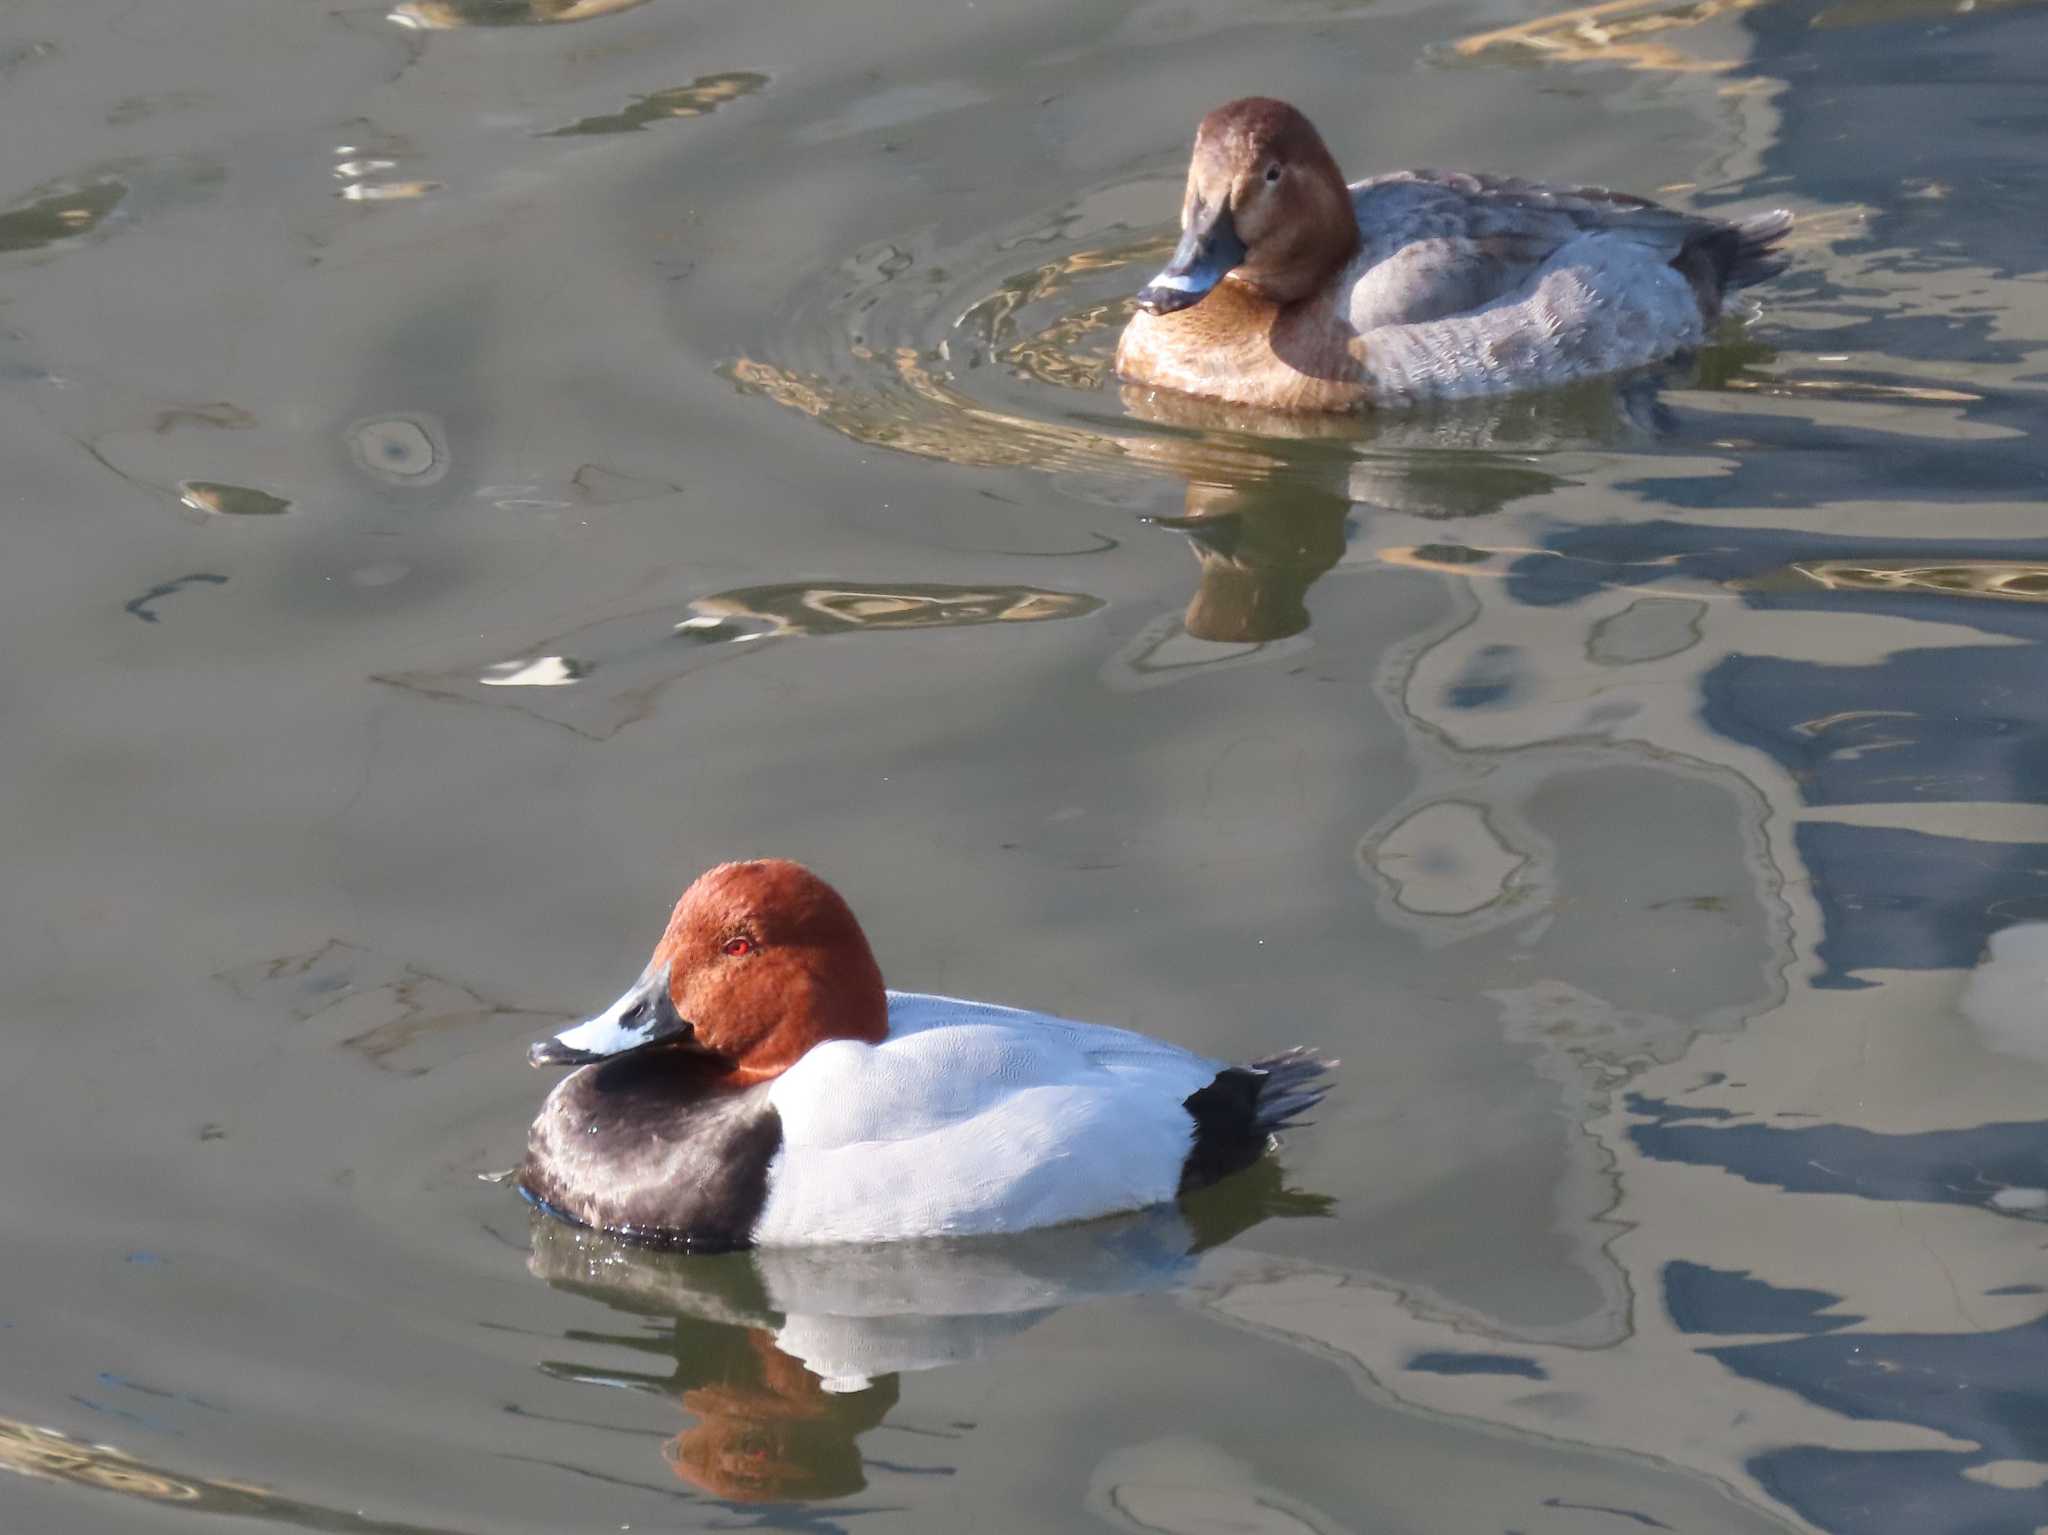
<point x="768" y="1430"/>
<point x="1259" y="554"/>
<point x="1305" y="483"/>
<point x="785" y="1357"/>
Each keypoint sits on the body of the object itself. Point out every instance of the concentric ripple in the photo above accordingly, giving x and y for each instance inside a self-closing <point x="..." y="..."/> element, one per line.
<point x="996" y="354"/>
<point x="1000" y="353"/>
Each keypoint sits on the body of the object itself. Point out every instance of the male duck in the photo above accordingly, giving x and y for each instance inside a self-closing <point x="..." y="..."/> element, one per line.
<point x="757" y="1086"/>
<point x="1291" y="291"/>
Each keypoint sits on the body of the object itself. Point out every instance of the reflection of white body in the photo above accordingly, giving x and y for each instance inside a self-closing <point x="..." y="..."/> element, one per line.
<point x="852" y="1314"/>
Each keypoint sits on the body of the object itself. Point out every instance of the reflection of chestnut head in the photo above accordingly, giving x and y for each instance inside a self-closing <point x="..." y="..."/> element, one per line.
<point x="441" y="15"/>
<point x="767" y="1431"/>
<point x="748" y="1342"/>
<point x="1237" y="604"/>
<point x="1259" y="552"/>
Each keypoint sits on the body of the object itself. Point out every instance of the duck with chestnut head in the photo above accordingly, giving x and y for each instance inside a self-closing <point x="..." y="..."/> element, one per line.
<point x="1291" y="291"/>
<point x="757" y="1085"/>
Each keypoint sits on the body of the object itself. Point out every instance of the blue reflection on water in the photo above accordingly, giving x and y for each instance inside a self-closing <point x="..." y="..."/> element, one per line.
<point x="1574" y="562"/>
<point x="1920" y="725"/>
<point x="1951" y="1167"/>
<point x="1454" y="1362"/>
<point x="1904" y="900"/>
<point x="1981" y="1388"/>
<point x="1702" y="1299"/>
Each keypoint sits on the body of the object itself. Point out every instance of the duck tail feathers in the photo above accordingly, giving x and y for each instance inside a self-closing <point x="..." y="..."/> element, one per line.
<point x="1290" y="1084"/>
<point x="1758" y="257"/>
<point x="1236" y="1116"/>
<point x="1717" y="258"/>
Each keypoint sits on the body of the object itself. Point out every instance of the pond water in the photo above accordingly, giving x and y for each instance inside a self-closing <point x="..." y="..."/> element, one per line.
<point x="472" y="464"/>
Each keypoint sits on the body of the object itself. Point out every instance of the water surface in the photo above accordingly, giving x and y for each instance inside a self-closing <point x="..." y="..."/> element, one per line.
<point x="471" y="465"/>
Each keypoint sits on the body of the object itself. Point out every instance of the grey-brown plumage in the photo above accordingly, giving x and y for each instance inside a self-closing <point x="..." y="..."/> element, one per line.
<point x="1292" y="291"/>
<point x="1437" y="243"/>
<point x="1469" y="285"/>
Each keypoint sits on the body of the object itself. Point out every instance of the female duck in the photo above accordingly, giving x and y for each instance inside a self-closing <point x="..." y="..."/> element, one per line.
<point x="758" y="1086"/>
<point x="1292" y="291"/>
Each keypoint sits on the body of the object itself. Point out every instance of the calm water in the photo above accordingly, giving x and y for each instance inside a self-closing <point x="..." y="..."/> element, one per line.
<point x="467" y="468"/>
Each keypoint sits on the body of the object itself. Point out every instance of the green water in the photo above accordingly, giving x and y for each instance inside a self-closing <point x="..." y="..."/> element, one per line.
<point x="1628" y="785"/>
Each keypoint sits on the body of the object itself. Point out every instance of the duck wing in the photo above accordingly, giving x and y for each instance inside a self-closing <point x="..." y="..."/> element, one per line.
<point x="1438" y="243"/>
<point x="971" y="1119"/>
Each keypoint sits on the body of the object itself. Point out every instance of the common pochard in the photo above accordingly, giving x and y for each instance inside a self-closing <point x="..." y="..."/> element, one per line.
<point x="758" y="1086"/>
<point x="1291" y="291"/>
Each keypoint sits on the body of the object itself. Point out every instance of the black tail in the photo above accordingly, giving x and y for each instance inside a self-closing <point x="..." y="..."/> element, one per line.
<point x="1293" y="1083"/>
<point x="1723" y="257"/>
<point x="1757" y="256"/>
<point x="1237" y="1115"/>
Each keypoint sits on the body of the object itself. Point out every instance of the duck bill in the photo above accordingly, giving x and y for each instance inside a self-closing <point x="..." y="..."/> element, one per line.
<point x="645" y="1015"/>
<point x="1209" y="249"/>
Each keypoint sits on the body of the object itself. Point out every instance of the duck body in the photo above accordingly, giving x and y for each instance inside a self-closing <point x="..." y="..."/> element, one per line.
<point x="955" y="1118"/>
<point x="1292" y="291"/>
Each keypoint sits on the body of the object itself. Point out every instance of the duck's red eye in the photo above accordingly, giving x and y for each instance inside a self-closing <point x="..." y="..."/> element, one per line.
<point x="738" y="946"/>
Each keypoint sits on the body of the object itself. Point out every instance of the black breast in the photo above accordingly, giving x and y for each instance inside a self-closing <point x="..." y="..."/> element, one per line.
<point x="658" y="1146"/>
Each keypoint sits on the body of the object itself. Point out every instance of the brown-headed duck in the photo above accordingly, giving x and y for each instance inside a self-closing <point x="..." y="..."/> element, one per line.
<point x="1291" y="291"/>
<point x="757" y="1085"/>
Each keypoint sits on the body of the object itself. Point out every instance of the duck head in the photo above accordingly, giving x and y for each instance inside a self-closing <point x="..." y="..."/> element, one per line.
<point x="760" y="961"/>
<point x="1266" y="206"/>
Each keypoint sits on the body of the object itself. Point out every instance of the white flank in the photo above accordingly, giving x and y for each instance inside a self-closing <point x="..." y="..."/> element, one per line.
<point x="974" y="1119"/>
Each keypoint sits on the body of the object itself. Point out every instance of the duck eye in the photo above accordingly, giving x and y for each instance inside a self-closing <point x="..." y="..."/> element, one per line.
<point x="1273" y="172"/>
<point x="738" y="946"/>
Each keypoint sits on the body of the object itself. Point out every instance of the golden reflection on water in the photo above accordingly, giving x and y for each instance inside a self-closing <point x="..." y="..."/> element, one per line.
<point x="1078" y="349"/>
<point x="906" y="393"/>
<point x="231" y="500"/>
<point x="1056" y="354"/>
<point x="60" y="210"/>
<point x="50" y="1455"/>
<point x="1847" y="389"/>
<point x="1620" y="32"/>
<point x="1627" y="32"/>
<point x="386" y="191"/>
<point x="599" y="678"/>
<point x="2012" y="581"/>
<point x="703" y="95"/>
<point x="797" y="608"/>
<point x="442" y="15"/>
<point x="932" y="419"/>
